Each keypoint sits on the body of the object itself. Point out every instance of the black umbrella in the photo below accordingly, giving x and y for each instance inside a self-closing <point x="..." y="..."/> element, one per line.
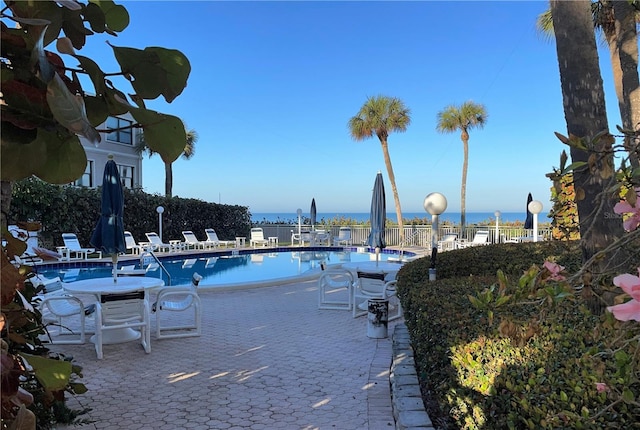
<point x="312" y="213"/>
<point x="108" y="236"/>
<point x="377" y="216"/>
<point x="528" y="222"/>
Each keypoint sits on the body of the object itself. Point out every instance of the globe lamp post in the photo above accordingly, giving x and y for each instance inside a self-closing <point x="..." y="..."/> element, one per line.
<point x="497" y="214"/>
<point x="160" y="211"/>
<point x="299" y="212"/>
<point x="535" y="207"/>
<point x="435" y="204"/>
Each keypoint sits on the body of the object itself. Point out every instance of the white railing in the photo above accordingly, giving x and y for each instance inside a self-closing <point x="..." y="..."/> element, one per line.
<point x="415" y="235"/>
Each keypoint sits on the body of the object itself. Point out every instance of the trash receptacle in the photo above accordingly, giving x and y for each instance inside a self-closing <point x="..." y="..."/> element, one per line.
<point x="377" y="318"/>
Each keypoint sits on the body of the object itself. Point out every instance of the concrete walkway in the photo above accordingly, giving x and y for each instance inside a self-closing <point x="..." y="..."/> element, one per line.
<point x="267" y="359"/>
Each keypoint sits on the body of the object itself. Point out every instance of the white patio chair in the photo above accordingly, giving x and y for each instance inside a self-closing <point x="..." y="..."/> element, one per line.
<point x="122" y="312"/>
<point x="56" y="306"/>
<point x="156" y="242"/>
<point x="448" y="242"/>
<point x="322" y="238"/>
<point x="179" y="299"/>
<point x="373" y="286"/>
<point x="343" y="238"/>
<point x="335" y="289"/>
<point x="257" y="238"/>
<point x="72" y="250"/>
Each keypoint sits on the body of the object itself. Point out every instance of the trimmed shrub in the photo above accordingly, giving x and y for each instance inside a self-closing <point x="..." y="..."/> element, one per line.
<point x="505" y="352"/>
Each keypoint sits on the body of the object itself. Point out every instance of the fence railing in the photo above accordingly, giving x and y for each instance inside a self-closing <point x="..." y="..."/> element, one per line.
<point x="415" y="235"/>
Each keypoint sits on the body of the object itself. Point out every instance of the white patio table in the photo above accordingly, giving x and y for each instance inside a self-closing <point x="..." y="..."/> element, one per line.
<point x="125" y="284"/>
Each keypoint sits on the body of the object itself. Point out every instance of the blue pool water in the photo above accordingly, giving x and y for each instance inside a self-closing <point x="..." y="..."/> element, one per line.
<point x="227" y="268"/>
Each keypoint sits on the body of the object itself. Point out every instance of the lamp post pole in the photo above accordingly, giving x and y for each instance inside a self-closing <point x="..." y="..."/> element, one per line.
<point x="299" y="212"/>
<point x="160" y="210"/>
<point x="535" y="207"/>
<point x="497" y="214"/>
<point x="435" y="204"/>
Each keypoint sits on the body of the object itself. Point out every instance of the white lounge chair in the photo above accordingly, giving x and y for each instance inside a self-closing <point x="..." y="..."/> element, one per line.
<point x="72" y="250"/>
<point x="480" y="238"/>
<point x="131" y="244"/>
<point x="213" y="241"/>
<point x="257" y="238"/>
<point x="156" y="242"/>
<point x="192" y="242"/>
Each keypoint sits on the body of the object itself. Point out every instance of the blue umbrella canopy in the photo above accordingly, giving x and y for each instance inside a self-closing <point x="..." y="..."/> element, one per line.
<point x="312" y="213"/>
<point x="378" y="215"/>
<point x="108" y="236"/>
<point x="528" y="222"/>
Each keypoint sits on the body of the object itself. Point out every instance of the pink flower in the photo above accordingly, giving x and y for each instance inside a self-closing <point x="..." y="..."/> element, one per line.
<point x="632" y="222"/>
<point x="554" y="269"/>
<point x="601" y="387"/>
<point x="630" y="310"/>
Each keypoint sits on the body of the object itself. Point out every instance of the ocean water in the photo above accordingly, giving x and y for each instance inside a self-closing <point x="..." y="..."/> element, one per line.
<point x="360" y="217"/>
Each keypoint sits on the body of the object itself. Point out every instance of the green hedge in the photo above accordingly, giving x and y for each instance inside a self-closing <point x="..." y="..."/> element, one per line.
<point x="527" y="355"/>
<point x="71" y="209"/>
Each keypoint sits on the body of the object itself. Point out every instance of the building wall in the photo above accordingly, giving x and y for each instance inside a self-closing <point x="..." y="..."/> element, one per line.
<point x="121" y="144"/>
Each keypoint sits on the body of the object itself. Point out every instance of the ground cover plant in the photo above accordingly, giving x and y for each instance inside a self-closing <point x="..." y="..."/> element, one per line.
<point x="503" y="342"/>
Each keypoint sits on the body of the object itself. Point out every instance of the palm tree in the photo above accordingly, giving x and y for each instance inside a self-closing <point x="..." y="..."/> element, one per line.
<point x="463" y="118"/>
<point x="586" y="117"/>
<point x="189" y="151"/>
<point x="382" y="115"/>
<point x="617" y="22"/>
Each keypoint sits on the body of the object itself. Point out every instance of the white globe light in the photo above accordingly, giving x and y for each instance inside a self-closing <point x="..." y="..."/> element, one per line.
<point x="535" y="207"/>
<point x="435" y="203"/>
<point x="160" y="209"/>
<point x="497" y="214"/>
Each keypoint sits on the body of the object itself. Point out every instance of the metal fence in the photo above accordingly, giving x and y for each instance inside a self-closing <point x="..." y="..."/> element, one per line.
<point x="415" y="235"/>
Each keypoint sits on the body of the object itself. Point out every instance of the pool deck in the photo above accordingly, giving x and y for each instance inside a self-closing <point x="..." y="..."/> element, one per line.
<point x="267" y="359"/>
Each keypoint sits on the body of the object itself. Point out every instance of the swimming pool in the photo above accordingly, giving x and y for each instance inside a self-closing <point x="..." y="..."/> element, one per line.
<point x="229" y="267"/>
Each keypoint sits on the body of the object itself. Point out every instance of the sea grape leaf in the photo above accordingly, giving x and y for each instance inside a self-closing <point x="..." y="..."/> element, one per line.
<point x="163" y="133"/>
<point x="53" y="374"/>
<point x="66" y="161"/>
<point x="154" y="71"/>
<point x="69" y="109"/>
<point x="12" y="170"/>
<point x="116" y="16"/>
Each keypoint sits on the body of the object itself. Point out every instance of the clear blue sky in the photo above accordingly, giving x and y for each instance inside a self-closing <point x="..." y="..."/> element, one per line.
<point x="273" y="85"/>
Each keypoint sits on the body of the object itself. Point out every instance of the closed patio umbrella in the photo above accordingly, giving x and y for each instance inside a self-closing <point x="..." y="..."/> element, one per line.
<point x="108" y="236"/>
<point x="528" y="222"/>
<point x="312" y="213"/>
<point x="378" y="217"/>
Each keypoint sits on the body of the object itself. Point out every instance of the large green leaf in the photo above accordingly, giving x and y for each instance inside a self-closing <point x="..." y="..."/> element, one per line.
<point x="116" y="16"/>
<point x="155" y="71"/>
<point x="163" y="133"/>
<point x="14" y="154"/>
<point x="65" y="160"/>
<point x="53" y="374"/>
<point x="69" y="110"/>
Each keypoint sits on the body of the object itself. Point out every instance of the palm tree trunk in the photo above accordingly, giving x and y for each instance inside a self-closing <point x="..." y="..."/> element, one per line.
<point x="168" y="179"/>
<point x="626" y="49"/>
<point x="6" y="188"/>
<point x="585" y="114"/>
<point x="463" y="186"/>
<point x="394" y="189"/>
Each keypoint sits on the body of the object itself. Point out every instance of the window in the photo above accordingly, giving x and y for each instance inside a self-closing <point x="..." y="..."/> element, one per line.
<point x="86" y="180"/>
<point x="122" y="130"/>
<point x="126" y="175"/>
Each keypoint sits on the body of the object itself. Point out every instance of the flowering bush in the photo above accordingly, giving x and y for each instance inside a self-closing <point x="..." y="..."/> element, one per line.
<point x="630" y="310"/>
